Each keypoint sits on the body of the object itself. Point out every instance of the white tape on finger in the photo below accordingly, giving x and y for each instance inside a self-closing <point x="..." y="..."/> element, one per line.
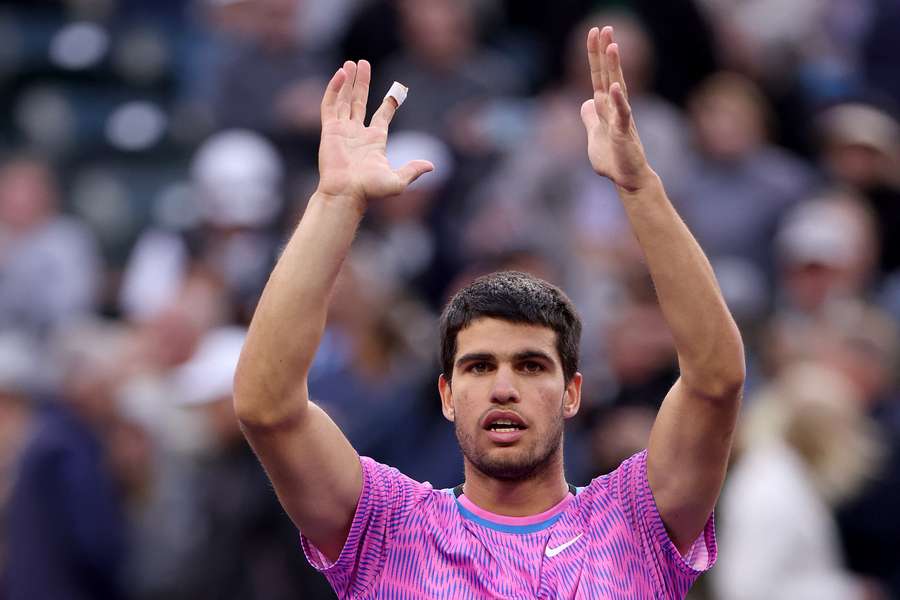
<point x="398" y="92"/>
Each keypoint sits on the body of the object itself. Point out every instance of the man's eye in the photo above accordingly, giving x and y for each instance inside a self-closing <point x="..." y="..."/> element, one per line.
<point x="479" y="367"/>
<point x="532" y="367"/>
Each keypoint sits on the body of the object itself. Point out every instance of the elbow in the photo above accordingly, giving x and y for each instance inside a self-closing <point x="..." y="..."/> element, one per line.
<point x="728" y="386"/>
<point x="257" y="407"/>
<point x="242" y="396"/>
<point x="721" y="379"/>
<point x="722" y="388"/>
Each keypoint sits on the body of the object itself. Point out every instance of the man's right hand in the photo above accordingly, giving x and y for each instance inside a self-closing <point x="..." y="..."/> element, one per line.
<point x="352" y="160"/>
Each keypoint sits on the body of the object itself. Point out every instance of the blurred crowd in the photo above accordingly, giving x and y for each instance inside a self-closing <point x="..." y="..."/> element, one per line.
<point x="156" y="155"/>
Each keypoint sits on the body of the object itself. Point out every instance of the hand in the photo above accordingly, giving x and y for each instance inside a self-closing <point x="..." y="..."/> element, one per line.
<point x="614" y="146"/>
<point x="352" y="161"/>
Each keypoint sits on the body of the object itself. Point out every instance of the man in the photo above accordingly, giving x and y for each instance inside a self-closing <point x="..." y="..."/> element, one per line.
<point x="515" y="528"/>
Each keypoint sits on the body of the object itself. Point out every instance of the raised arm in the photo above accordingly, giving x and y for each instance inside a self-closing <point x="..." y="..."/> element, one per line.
<point x="315" y="471"/>
<point x="691" y="439"/>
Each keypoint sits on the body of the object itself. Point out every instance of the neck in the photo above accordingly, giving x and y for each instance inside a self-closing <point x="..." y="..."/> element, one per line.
<point x="520" y="498"/>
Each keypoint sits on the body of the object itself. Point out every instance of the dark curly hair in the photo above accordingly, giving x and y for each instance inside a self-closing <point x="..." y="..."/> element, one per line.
<point x="518" y="298"/>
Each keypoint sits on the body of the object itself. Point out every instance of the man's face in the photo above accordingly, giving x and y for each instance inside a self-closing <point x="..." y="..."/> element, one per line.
<point x="508" y="398"/>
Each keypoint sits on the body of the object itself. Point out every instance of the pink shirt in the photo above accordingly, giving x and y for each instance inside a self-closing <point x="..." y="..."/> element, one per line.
<point x="608" y="541"/>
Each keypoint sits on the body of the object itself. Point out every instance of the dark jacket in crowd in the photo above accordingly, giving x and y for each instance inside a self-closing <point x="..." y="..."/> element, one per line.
<point x="65" y="523"/>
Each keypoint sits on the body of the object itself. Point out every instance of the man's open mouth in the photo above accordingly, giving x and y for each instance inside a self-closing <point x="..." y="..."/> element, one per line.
<point x="503" y="421"/>
<point x="504" y="425"/>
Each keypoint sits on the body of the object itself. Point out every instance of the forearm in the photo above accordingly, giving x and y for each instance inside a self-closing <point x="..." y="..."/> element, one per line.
<point x="710" y="351"/>
<point x="270" y="382"/>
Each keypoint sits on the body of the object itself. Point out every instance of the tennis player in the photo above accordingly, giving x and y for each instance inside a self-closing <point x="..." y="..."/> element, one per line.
<point x="514" y="528"/>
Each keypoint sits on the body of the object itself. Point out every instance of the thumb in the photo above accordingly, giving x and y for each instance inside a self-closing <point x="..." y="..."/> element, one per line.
<point x="413" y="170"/>
<point x="589" y="115"/>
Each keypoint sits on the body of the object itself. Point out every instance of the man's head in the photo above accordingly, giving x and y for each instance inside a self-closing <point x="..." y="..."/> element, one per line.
<point x="509" y="352"/>
<point x="28" y="193"/>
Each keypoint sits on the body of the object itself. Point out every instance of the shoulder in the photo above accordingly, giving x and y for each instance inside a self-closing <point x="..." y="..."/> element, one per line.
<point x="610" y="484"/>
<point x="387" y="485"/>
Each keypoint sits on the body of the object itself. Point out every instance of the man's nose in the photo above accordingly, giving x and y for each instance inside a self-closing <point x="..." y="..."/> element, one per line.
<point x="504" y="390"/>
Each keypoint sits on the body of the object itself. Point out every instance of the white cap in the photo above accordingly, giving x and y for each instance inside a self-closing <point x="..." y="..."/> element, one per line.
<point x="238" y="177"/>
<point x="862" y="124"/>
<point x="208" y="376"/>
<point x="816" y="232"/>
<point x="405" y="146"/>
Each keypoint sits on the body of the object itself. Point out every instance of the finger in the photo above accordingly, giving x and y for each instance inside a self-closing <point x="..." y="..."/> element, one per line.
<point x="614" y="64"/>
<point x="595" y="60"/>
<point x="385" y="112"/>
<point x="413" y="170"/>
<point x="360" y="91"/>
<point x="623" y="109"/>
<point x="589" y="115"/>
<point x="329" y="100"/>
<point x="345" y="95"/>
<point x="606" y="37"/>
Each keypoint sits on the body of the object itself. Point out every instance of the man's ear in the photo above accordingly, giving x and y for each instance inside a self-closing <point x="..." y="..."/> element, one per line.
<point x="446" y="398"/>
<point x="572" y="397"/>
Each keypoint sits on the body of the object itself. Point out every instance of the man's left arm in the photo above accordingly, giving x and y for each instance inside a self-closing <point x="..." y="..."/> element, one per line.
<point x="691" y="439"/>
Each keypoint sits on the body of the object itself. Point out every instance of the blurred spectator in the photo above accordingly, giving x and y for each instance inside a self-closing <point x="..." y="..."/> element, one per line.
<point x="452" y="77"/>
<point x="50" y="270"/>
<point x="244" y="545"/>
<point x="640" y="363"/>
<point x="738" y="185"/>
<point x="827" y="250"/>
<point x="827" y="253"/>
<point x="684" y="38"/>
<point x="18" y="377"/>
<point x="227" y="231"/>
<point x="401" y="240"/>
<point x="817" y="40"/>
<point x="805" y="54"/>
<point x="372" y="368"/>
<point x="273" y="79"/>
<point x="158" y="346"/>
<point x="66" y="523"/>
<point x="860" y="149"/>
<point x="805" y="447"/>
<point x="862" y="343"/>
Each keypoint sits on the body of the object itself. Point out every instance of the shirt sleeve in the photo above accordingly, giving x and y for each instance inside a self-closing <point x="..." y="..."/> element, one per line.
<point x="386" y="500"/>
<point x="675" y="572"/>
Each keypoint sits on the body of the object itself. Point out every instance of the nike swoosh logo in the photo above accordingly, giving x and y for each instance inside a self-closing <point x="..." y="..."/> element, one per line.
<point x="551" y="552"/>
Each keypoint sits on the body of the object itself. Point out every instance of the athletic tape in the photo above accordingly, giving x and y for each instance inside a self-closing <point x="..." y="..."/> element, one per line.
<point x="398" y="92"/>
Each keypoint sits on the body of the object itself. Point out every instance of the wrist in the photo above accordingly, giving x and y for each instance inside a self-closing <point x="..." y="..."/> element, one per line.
<point x="640" y="182"/>
<point x="354" y="202"/>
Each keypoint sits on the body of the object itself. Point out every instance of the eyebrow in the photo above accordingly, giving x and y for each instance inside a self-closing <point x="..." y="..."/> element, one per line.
<point x="532" y="354"/>
<point x="474" y="357"/>
<point x="517" y="357"/>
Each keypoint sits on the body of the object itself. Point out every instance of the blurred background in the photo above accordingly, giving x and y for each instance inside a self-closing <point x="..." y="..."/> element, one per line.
<point x="156" y="155"/>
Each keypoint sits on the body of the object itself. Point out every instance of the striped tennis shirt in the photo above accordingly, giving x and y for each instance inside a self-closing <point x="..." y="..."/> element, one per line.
<point x="604" y="541"/>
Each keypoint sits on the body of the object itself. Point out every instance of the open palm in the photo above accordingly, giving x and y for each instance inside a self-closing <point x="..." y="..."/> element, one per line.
<point x="352" y="160"/>
<point x="614" y="147"/>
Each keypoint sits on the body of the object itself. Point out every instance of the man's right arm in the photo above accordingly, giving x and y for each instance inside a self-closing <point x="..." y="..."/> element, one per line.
<point x="315" y="470"/>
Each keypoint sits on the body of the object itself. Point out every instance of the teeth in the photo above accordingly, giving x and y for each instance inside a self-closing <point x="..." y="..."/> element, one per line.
<point x="505" y="426"/>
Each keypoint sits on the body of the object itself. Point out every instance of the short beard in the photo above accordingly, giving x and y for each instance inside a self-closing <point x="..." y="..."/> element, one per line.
<point x="520" y="468"/>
